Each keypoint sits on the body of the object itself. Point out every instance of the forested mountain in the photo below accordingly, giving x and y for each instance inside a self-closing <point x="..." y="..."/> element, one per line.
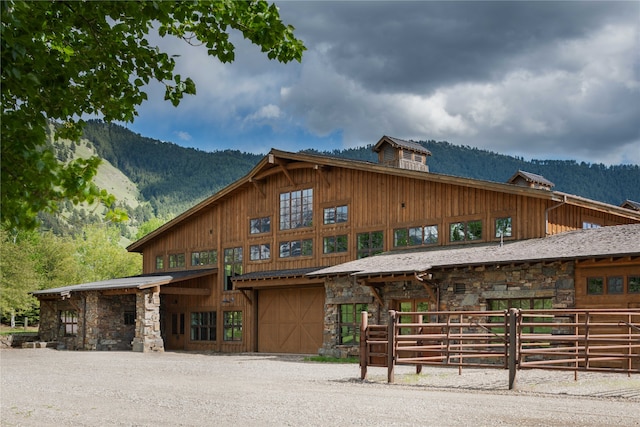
<point x="173" y="178"/>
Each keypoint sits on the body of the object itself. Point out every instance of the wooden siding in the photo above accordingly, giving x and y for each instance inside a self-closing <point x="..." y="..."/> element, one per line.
<point x="612" y="268"/>
<point x="376" y="201"/>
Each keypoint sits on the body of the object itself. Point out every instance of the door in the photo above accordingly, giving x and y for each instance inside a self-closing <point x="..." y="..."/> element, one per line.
<point x="174" y="331"/>
<point x="290" y="320"/>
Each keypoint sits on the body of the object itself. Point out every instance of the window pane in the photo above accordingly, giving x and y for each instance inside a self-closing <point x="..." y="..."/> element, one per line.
<point x="456" y="232"/>
<point x="595" y="286"/>
<point x="615" y="285"/>
<point x="400" y="237"/>
<point x="415" y="236"/>
<point x="474" y="230"/>
<point x="634" y="284"/>
<point x="430" y="234"/>
<point x="341" y="214"/>
<point x="503" y="227"/>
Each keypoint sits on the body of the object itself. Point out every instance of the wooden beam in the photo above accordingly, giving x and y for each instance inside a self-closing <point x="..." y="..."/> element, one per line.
<point x="244" y="294"/>
<point x="126" y="291"/>
<point x="255" y="184"/>
<point x="285" y="171"/>
<point x="376" y="294"/>
<point x="323" y="176"/>
<point x="185" y="291"/>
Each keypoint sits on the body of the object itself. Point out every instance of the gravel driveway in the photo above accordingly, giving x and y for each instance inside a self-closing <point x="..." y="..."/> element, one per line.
<point x="42" y="387"/>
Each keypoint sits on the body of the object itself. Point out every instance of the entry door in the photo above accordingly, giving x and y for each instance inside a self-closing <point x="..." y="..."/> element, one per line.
<point x="175" y="327"/>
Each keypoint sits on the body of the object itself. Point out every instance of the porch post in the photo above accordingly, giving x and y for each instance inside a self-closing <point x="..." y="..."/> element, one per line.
<point x="148" y="337"/>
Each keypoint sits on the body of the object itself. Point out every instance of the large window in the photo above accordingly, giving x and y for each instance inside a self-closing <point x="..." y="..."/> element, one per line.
<point x="260" y="225"/>
<point x="203" y="326"/>
<point x="296" y="248"/>
<point x="369" y="244"/>
<point x="260" y="252"/>
<point x="69" y="322"/>
<point x="335" y="244"/>
<point x="232" y="266"/>
<point x="204" y="258"/>
<point x="232" y="326"/>
<point x="336" y="214"/>
<point x="415" y="236"/>
<point x="296" y="209"/>
<point x="176" y="261"/>
<point x="465" y="231"/>
<point x="349" y="323"/>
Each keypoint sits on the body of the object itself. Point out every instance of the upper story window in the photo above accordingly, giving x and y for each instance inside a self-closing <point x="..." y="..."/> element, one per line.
<point x="296" y="209"/>
<point x="415" y="236"/>
<point x="260" y="225"/>
<point x="586" y="225"/>
<point x="465" y="231"/>
<point x="260" y="252"/>
<point x="335" y="244"/>
<point x="204" y="258"/>
<point x="369" y="244"/>
<point x="232" y="266"/>
<point x="613" y="285"/>
<point x="503" y="227"/>
<point x="296" y="248"/>
<point x="176" y="261"/>
<point x="336" y="214"/>
<point x="159" y="262"/>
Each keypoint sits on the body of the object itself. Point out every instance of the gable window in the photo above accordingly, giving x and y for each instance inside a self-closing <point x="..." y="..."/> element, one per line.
<point x="232" y="327"/>
<point x="232" y="266"/>
<point x="369" y="244"/>
<point x="176" y="260"/>
<point x="595" y="286"/>
<point x="68" y="323"/>
<point x="296" y="248"/>
<point x="349" y="323"/>
<point x="296" y="209"/>
<point x="336" y="214"/>
<point x="415" y="236"/>
<point x="335" y="244"/>
<point x="465" y="231"/>
<point x="260" y="225"/>
<point x="203" y="326"/>
<point x="503" y="227"/>
<point x="259" y="252"/>
<point x="204" y="258"/>
<point x="159" y="262"/>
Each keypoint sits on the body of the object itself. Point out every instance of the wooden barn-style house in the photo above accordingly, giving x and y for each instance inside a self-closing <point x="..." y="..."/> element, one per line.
<point x="285" y="259"/>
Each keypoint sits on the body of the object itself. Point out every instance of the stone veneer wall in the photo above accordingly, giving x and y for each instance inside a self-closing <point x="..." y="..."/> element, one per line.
<point x="554" y="280"/>
<point x="148" y="334"/>
<point x="114" y="334"/>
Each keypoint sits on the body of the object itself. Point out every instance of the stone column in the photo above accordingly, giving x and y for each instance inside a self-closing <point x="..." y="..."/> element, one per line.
<point x="90" y="330"/>
<point x="148" y="337"/>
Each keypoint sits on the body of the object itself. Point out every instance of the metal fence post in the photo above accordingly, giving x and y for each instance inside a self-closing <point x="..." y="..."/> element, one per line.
<point x="391" y="346"/>
<point x="513" y="317"/>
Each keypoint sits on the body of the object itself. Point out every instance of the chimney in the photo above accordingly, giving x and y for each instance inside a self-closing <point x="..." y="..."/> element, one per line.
<point x="402" y="154"/>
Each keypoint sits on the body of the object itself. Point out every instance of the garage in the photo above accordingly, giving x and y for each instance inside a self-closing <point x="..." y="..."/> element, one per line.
<point x="290" y="320"/>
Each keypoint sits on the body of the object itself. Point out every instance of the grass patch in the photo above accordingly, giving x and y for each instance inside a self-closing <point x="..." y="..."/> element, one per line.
<point x="329" y="359"/>
<point x="18" y="330"/>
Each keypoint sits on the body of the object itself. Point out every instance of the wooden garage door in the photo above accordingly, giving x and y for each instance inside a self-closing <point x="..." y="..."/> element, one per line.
<point x="290" y="320"/>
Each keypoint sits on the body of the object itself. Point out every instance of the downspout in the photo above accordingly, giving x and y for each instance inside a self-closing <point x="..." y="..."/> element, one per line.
<point x="546" y="214"/>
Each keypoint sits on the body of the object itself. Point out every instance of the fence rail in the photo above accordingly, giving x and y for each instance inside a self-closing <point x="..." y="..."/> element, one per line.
<point x="576" y="340"/>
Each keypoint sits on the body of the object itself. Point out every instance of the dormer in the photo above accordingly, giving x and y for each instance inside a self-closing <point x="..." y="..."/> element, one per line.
<point x="531" y="180"/>
<point x="630" y="204"/>
<point x="402" y="154"/>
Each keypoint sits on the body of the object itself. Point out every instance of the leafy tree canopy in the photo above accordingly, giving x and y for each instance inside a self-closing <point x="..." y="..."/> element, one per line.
<point x="64" y="60"/>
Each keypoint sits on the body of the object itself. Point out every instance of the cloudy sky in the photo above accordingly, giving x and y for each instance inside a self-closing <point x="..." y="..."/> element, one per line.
<point x="542" y="80"/>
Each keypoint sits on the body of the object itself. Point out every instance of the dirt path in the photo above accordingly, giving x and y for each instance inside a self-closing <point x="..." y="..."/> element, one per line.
<point x="42" y="387"/>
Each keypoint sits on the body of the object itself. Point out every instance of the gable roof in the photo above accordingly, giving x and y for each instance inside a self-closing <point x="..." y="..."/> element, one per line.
<point x="531" y="177"/>
<point x="144" y="281"/>
<point x="401" y="143"/>
<point x="604" y="242"/>
<point x="278" y="161"/>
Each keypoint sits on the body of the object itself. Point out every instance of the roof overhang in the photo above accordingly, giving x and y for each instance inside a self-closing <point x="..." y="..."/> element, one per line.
<point x="132" y="283"/>
<point x="276" y="278"/>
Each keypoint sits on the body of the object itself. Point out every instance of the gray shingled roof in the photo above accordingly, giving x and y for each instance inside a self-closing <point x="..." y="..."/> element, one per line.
<point x="407" y="144"/>
<point x="133" y="282"/>
<point x="622" y="240"/>
<point x="275" y="274"/>
<point x="630" y="204"/>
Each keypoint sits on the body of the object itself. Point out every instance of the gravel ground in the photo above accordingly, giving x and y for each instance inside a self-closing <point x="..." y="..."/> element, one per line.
<point x="42" y="387"/>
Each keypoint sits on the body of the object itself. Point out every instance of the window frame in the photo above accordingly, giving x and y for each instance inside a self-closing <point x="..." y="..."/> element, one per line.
<point x="232" y="326"/>
<point x="233" y="268"/>
<point x="260" y="221"/>
<point x="349" y="329"/>
<point x="177" y="260"/>
<point x="410" y="234"/>
<point x="335" y="244"/>
<point x="262" y="254"/>
<point x="68" y="322"/>
<point x="370" y="250"/>
<point x="159" y="262"/>
<point x="335" y="217"/>
<point x="203" y="331"/>
<point x="305" y="244"/>
<point x="296" y="209"/>
<point x="497" y="228"/>
<point x="466" y="231"/>
<point x="208" y="256"/>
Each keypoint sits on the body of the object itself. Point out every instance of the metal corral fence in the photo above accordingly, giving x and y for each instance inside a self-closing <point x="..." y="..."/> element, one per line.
<point x="575" y="340"/>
